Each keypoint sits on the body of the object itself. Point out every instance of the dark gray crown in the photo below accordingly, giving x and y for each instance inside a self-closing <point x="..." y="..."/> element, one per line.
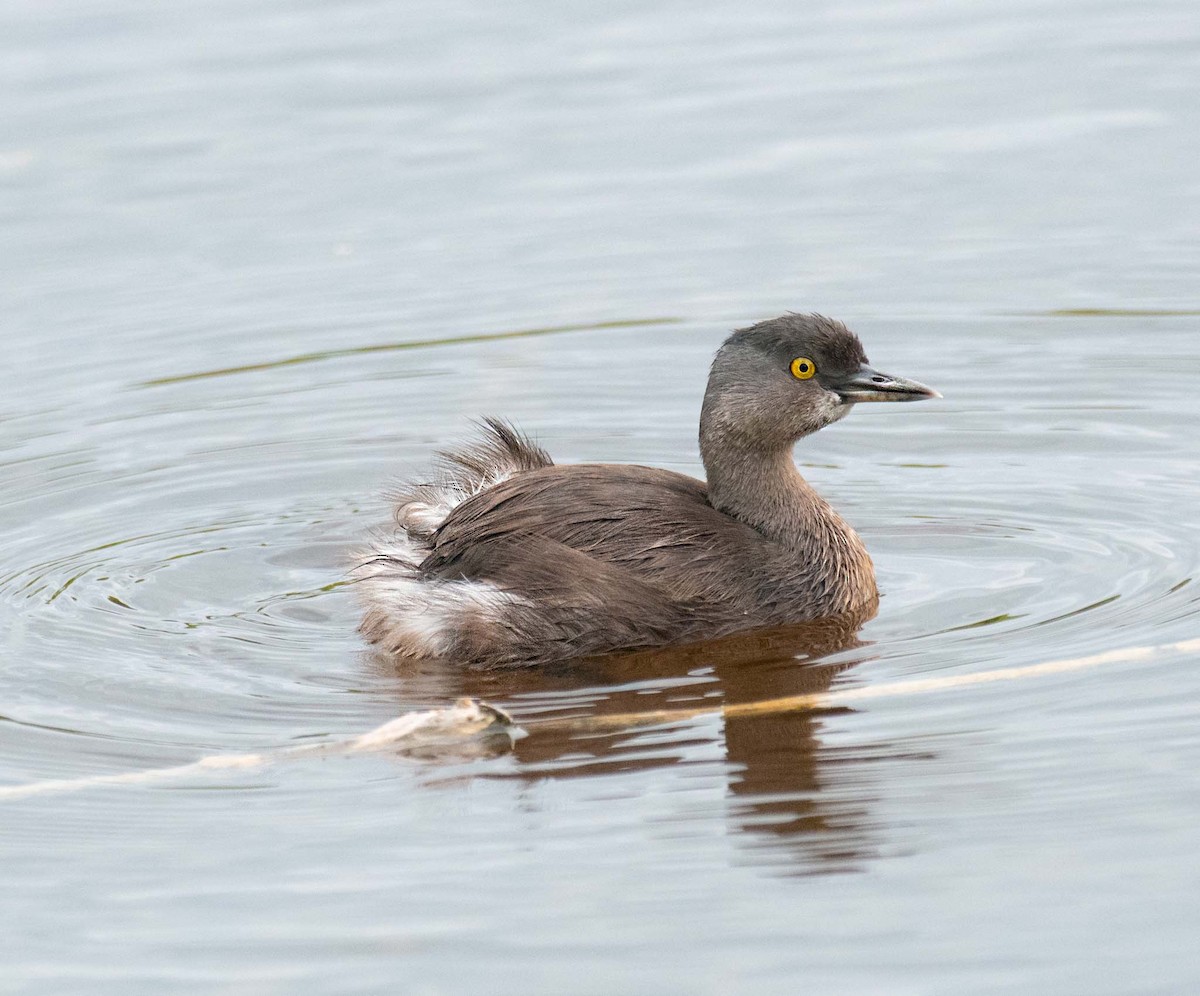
<point x="833" y="346"/>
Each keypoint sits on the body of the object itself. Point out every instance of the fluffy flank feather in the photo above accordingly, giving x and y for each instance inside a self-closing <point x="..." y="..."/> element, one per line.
<point x="464" y="473"/>
<point x="413" y="615"/>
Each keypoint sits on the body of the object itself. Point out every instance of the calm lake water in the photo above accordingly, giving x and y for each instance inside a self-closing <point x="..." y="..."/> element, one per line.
<point x="259" y="259"/>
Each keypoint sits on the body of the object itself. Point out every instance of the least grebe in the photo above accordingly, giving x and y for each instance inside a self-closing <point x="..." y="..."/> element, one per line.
<point x="507" y="559"/>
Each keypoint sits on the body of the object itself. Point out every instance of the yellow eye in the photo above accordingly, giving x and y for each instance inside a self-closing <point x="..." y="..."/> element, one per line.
<point x="803" y="368"/>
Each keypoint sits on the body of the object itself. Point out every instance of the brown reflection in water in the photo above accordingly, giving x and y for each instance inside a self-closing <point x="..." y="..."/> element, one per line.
<point x="777" y="767"/>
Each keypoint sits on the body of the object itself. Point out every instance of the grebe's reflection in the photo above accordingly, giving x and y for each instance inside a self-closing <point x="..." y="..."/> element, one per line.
<point x="776" y="766"/>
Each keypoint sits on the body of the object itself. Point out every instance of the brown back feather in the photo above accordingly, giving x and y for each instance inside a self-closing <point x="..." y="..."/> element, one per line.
<point x="649" y="530"/>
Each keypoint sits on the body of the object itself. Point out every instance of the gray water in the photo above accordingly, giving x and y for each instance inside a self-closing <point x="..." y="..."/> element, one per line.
<point x="260" y="259"/>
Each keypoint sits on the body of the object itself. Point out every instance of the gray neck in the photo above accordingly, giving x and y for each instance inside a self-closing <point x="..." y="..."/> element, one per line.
<point x="762" y="488"/>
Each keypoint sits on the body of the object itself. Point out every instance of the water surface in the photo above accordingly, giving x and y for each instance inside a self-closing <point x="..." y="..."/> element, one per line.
<point x="260" y="260"/>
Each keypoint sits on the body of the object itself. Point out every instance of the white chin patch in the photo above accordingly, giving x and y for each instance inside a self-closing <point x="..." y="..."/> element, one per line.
<point x="834" y="407"/>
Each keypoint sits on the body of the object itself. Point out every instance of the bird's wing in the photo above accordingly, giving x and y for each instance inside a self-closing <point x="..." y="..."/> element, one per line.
<point x="608" y="525"/>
